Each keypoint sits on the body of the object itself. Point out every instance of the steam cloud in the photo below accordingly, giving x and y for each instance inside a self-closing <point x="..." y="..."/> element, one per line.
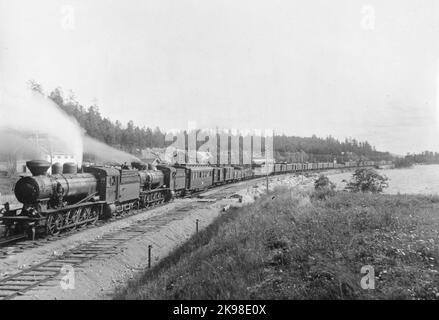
<point x="30" y="113"/>
<point x="105" y="153"/>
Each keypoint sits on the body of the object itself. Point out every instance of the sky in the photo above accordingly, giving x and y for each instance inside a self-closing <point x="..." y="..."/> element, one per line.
<point x="346" y="68"/>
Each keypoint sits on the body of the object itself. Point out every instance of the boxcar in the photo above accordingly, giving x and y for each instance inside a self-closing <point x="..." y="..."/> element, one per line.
<point x="237" y="174"/>
<point x="247" y="173"/>
<point x="228" y="173"/>
<point x="217" y="175"/>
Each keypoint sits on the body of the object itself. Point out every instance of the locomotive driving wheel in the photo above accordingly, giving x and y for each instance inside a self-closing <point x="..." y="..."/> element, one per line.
<point x="83" y="216"/>
<point x="94" y="214"/>
<point x="53" y="224"/>
<point x="91" y="214"/>
<point x="86" y="214"/>
<point x="74" y="218"/>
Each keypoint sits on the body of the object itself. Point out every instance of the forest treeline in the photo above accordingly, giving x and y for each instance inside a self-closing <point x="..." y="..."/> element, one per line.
<point x="315" y="149"/>
<point x="129" y="138"/>
<point x="426" y="157"/>
<point x="132" y="138"/>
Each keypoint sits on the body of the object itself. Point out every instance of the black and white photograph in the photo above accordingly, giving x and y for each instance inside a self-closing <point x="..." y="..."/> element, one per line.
<point x="219" y="155"/>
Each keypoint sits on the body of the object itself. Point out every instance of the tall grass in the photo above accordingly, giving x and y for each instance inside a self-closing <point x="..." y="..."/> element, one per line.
<point x="290" y="245"/>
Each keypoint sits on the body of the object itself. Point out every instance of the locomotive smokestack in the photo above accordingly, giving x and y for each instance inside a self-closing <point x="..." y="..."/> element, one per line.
<point x="38" y="167"/>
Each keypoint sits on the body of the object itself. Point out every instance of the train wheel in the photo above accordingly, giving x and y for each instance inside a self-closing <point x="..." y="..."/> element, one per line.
<point x="82" y="216"/>
<point x="53" y="224"/>
<point x="86" y="213"/>
<point x="94" y="214"/>
<point x="69" y="220"/>
<point x="75" y="215"/>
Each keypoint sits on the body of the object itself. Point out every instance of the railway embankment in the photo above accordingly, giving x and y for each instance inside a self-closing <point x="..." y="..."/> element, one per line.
<point x="290" y="244"/>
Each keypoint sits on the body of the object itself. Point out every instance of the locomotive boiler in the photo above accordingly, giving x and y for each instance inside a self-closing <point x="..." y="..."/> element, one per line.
<point x="53" y="191"/>
<point x="151" y="179"/>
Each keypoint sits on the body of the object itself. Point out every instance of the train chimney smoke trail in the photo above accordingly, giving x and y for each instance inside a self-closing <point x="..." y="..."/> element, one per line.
<point x="12" y="143"/>
<point x="29" y="116"/>
<point x="104" y="153"/>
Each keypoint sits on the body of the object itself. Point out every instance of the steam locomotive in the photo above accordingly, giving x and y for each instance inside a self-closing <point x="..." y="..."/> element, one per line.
<point x="66" y="199"/>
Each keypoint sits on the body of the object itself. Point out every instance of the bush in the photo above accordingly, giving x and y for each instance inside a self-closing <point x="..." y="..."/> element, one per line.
<point x="323" y="182"/>
<point x="403" y="163"/>
<point x="367" y="180"/>
<point x="323" y="187"/>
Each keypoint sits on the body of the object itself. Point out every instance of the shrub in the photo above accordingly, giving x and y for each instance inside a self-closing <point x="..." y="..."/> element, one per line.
<point x="323" y="182"/>
<point x="367" y="180"/>
<point x="323" y="187"/>
<point x="403" y="163"/>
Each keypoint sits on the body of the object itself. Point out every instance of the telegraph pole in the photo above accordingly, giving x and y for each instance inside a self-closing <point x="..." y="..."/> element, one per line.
<point x="266" y="166"/>
<point x="267" y="182"/>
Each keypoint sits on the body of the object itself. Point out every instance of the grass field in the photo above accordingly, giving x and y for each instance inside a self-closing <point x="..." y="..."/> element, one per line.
<point x="294" y="246"/>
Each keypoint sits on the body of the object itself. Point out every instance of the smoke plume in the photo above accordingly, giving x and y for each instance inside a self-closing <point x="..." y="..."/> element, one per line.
<point x="29" y="116"/>
<point x="104" y="153"/>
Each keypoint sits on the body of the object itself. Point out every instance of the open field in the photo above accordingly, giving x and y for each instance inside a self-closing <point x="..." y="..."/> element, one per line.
<point x="290" y="245"/>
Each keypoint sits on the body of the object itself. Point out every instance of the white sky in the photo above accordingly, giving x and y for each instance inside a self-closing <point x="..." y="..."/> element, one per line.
<point x="299" y="67"/>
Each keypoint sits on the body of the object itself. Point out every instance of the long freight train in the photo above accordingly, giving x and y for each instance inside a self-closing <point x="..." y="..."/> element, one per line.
<point x="66" y="199"/>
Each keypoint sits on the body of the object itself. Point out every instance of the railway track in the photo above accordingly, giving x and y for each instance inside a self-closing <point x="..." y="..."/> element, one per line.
<point x="50" y="269"/>
<point x="16" y="245"/>
<point x="48" y="273"/>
